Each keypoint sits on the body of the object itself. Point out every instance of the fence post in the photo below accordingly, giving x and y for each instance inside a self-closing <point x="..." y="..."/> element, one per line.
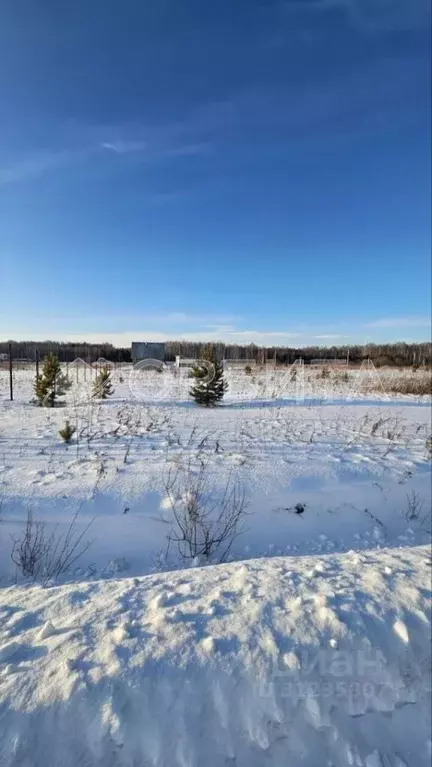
<point x="10" y="372"/>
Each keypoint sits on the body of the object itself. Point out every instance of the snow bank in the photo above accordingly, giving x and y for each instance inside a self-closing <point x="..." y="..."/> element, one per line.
<point x="309" y="661"/>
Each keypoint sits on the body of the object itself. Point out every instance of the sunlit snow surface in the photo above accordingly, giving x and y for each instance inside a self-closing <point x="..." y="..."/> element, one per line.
<point x="314" y="661"/>
<point x="317" y="654"/>
<point x="353" y="463"/>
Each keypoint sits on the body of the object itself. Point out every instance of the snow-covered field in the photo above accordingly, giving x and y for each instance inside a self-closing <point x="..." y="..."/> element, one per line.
<point x="164" y="668"/>
<point x="356" y="463"/>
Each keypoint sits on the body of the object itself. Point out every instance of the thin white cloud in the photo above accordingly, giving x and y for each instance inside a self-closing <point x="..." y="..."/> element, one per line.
<point x="331" y="336"/>
<point x="178" y="329"/>
<point x="83" y="142"/>
<point x="217" y="333"/>
<point x="124" y="147"/>
<point x="400" y="322"/>
<point x="170" y="324"/>
<point x="33" y="167"/>
<point x="212" y="123"/>
<point x="189" y="150"/>
<point x="42" y="162"/>
<point x="371" y="15"/>
<point x="269" y="334"/>
<point x="28" y="168"/>
<point x="207" y="321"/>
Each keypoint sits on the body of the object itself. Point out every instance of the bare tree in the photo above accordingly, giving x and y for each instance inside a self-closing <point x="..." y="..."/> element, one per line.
<point x="414" y="506"/>
<point x="28" y="551"/>
<point x="206" y="523"/>
<point x="37" y="554"/>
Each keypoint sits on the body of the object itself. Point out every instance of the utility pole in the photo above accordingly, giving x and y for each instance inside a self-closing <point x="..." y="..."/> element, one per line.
<point x="10" y="372"/>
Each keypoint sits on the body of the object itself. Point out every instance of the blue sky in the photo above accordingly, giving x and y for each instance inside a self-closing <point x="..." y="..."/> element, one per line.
<point x="251" y="170"/>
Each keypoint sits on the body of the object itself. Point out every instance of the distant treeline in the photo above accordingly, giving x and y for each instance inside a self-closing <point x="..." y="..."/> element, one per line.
<point x="66" y="352"/>
<point x="397" y="354"/>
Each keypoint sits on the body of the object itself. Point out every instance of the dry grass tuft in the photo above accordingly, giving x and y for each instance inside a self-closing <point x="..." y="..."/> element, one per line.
<point x="418" y="383"/>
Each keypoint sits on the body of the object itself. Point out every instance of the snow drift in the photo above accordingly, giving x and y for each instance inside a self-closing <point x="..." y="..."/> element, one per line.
<point x="308" y="661"/>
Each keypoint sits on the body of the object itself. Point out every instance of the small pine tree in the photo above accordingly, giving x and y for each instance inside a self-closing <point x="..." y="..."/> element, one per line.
<point x="51" y="383"/>
<point x="102" y="387"/>
<point x="210" y="385"/>
<point x="67" y="432"/>
<point x="248" y="370"/>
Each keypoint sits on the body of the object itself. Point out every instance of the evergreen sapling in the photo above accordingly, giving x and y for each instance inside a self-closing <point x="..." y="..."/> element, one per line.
<point x="67" y="432"/>
<point x="51" y="383"/>
<point x="102" y="387"/>
<point x="209" y="380"/>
